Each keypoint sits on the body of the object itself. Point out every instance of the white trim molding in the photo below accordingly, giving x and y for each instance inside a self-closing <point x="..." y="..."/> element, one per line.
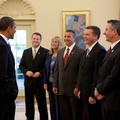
<point x="16" y="8"/>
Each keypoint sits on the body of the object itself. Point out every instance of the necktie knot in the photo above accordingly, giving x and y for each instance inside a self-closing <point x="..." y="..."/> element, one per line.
<point x="109" y="50"/>
<point x="87" y="52"/>
<point x="68" y="49"/>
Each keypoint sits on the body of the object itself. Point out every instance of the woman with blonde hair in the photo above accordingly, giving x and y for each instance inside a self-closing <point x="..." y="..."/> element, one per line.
<point x="56" y="44"/>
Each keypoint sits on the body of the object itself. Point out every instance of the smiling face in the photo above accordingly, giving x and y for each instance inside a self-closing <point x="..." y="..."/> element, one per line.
<point x="109" y="33"/>
<point x="54" y="44"/>
<point x="89" y="37"/>
<point x="36" y="40"/>
<point x="69" y="38"/>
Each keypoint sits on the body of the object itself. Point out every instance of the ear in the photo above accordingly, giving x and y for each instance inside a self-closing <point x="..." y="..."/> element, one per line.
<point x="9" y="28"/>
<point x="115" y="31"/>
<point x="96" y="37"/>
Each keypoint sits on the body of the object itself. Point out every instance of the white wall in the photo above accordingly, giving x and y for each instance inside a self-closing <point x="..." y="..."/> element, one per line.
<point x="49" y="17"/>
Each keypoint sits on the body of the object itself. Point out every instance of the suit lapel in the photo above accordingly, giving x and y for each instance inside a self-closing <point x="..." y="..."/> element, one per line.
<point x="85" y="58"/>
<point x="73" y="52"/>
<point x="91" y="53"/>
<point x="112" y="51"/>
<point x="29" y="55"/>
<point x="62" y="57"/>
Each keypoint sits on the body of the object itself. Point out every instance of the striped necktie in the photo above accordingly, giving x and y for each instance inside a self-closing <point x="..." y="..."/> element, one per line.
<point x="66" y="57"/>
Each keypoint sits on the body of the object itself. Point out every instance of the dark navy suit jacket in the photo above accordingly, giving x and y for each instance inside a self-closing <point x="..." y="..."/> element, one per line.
<point x="109" y="80"/>
<point x="8" y="85"/>
<point x="47" y="68"/>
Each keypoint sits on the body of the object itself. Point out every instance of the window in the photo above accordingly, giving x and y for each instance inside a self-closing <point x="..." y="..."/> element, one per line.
<point x="18" y="44"/>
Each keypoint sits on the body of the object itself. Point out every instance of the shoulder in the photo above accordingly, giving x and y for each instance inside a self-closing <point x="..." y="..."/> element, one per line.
<point x="48" y="55"/>
<point x="42" y="48"/>
<point x="61" y="50"/>
<point x="3" y="46"/>
<point x="28" y="49"/>
<point x="79" y="49"/>
<point x="99" y="48"/>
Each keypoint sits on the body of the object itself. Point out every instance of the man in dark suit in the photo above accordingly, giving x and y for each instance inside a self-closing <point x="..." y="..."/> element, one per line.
<point x="90" y="64"/>
<point x="65" y="77"/>
<point x="108" y="89"/>
<point x="8" y="85"/>
<point x="32" y="66"/>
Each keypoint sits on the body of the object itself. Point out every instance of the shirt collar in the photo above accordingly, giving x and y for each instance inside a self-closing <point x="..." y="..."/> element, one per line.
<point x="71" y="47"/>
<point x="90" y="48"/>
<point x="36" y="48"/>
<point x="4" y="37"/>
<point x="115" y="43"/>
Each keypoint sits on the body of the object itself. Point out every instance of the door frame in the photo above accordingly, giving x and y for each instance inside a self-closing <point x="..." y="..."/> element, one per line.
<point x="29" y="26"/>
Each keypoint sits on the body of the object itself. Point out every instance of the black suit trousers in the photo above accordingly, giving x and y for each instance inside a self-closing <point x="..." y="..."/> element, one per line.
<point x="7" y="110"/>
<point x="40" y="96"/>
<point x="92" y="112"/>
<point x="111" y="115"/>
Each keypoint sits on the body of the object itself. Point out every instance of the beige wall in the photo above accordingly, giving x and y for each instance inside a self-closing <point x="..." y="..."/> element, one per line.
<point x="49" y="18"/>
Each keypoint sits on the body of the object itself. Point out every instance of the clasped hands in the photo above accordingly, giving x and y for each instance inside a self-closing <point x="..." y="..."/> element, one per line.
<point x="31" y="74"/>
<point x="92" y="100"/>
<point x="97" y="95"/>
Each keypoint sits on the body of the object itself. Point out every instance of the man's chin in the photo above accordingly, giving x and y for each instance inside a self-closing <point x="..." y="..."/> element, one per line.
<point x="35" y="46"/>
<point x="68" y="44"/>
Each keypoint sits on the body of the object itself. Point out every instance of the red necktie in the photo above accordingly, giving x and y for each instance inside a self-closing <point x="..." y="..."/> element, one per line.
<point x="66" y="57"/>
<point x="109" y="50"/>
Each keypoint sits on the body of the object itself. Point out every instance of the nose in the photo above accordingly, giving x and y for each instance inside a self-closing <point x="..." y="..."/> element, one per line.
<point x="103" y="33"/>
<point x="83" y="36"/>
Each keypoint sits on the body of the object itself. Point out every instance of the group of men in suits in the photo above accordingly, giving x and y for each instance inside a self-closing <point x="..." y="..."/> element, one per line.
<point x="87" y="84"/>
<point x="94" y="77"/>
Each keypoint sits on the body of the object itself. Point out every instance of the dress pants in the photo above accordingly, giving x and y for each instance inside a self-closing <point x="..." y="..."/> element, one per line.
<point x="39" y="93"/>
<point x="7" y="110"/>
<point x="70" y="107"/>
<point x="92" y="112"/>
<point x="54" y="103"/>
<point x="111" y="115"/>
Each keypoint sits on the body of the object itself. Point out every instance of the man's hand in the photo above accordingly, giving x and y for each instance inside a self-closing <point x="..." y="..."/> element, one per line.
<point x="79" y="94"/>
<point x="92" y="100"/>
<point x="97" y="95"/>
<point x="45" y="86"/>
<point x="55" y="90"/>
<point x="36" y="74"/>
<point x="76" y="92"/>
<point x="29" y="73"/>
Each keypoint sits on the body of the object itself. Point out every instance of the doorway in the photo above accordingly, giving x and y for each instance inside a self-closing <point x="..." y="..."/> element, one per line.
<point x="21" y="41"/>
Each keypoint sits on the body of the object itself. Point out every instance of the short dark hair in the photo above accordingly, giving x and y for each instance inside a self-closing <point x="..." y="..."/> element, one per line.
<point x="95" y="29"/>
<point x="115" y="25"/>
<point x="5" y="22"/>
<point x="37" y="33"/>
<point x="71" y="32"/>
